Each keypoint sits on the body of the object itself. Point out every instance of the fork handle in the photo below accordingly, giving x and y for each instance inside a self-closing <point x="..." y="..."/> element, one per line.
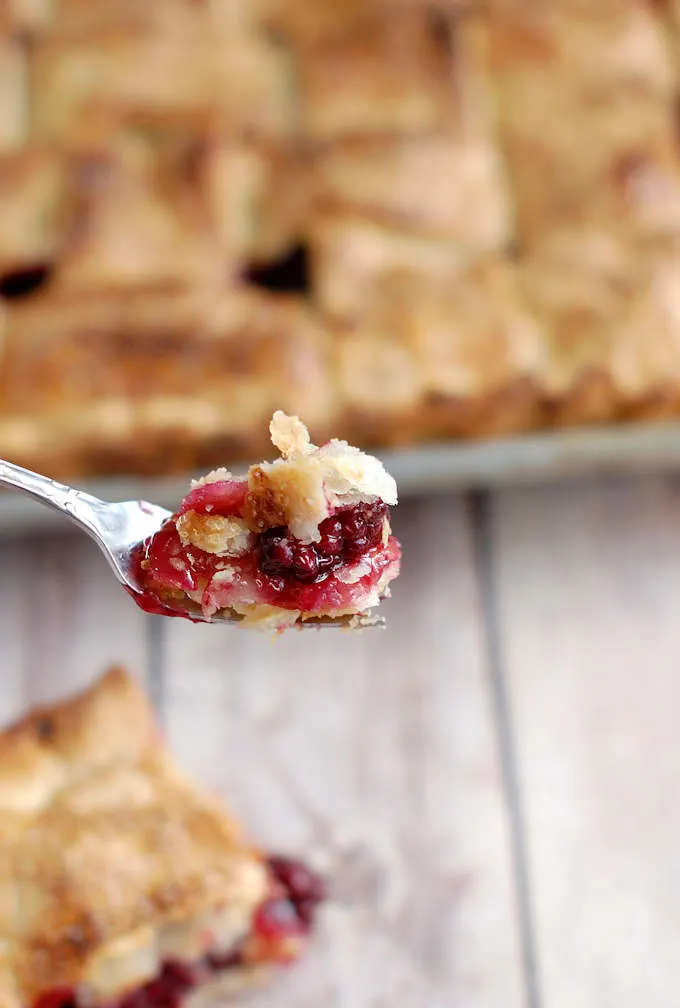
<point x="80" y="507"/>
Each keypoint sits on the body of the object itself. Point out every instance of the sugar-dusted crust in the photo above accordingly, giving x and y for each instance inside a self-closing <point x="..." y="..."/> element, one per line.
<point x="164" y="379"/>
<point x="107" y="851"/>
<point x="161" y="164"/>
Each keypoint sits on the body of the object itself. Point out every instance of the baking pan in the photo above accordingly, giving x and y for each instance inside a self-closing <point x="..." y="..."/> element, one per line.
<point x="635" y="448"/>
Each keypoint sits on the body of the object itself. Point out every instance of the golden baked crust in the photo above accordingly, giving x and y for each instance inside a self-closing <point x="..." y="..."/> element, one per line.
<point x="444" y="356"/>
<point x="106" y="848"/>
<point x="13" y="111"/>
<point x="170" y="378"/>
<point x="169" y="170"/>
<point x="441" y="185"/>
<point x="387" y="75"/>
<point x="156" y="60"/>
<point x="33" y="195"/>
<point x="612" y="320"/>
<point x="587" y="108"/>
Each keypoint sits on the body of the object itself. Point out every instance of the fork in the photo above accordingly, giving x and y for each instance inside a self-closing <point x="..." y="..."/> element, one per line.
<point x="119" y="528"/>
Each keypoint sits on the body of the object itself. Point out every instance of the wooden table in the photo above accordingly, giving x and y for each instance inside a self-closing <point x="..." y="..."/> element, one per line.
<point x="492" y="784"/>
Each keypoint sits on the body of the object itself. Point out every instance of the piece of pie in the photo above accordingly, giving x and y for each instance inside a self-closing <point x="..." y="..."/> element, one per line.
<point x="306" y="537"/>
<point x="122" y="884"/>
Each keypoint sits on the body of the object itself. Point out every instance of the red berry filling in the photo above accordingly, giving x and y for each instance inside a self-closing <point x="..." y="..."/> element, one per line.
<point x="58" y="997"/>
<point x="224" y="497"/>
<point x="299" y="881"/>
<point x="345" y="537"/>
<point x="288" y="914"/>
<point x="168" y="989"/>
<point x="280" y="571"/>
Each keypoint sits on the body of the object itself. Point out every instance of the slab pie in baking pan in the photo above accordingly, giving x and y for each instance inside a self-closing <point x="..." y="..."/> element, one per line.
<point x="123" y="883"/>
<point x="401" y="219"/>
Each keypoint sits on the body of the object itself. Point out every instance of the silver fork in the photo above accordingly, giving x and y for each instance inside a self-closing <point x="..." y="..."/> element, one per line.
<point x="118" y="528"/>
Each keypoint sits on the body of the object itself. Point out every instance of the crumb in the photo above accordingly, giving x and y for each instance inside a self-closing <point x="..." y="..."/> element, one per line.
<point x="289" y="435"/>
<point x="215" y="534"/>
<point x="216" y="476"/>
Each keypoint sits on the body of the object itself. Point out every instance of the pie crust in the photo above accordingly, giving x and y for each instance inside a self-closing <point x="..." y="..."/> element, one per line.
<point x="117" y="871"/>
<point x="402" y="220"/>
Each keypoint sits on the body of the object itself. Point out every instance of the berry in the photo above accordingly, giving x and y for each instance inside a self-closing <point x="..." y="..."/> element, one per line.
<point x="281" y="553"/>
<point x="276" y="919"/>
<point x="226" y="960"/>
<point x="159" y="994"/>
<point x="330" y="543"/>
<point x="344" y="537"/>
<point x="277" y="552"/>
<point x="179" y="975"/>
<point x="300" y="881"/>
<point x="356" y="547"/>
<point x="57" y="997"/>
<point x="306" y="563"/>
<point x="352" y="522"/>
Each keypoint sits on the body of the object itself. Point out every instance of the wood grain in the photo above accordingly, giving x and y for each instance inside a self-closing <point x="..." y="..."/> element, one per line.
<point x="375" y="756"/>
<point x="588" y="581"/>
<point x="63" y="619"/>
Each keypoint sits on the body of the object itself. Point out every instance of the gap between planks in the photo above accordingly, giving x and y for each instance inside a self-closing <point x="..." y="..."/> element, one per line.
<point x="481" y="519"/>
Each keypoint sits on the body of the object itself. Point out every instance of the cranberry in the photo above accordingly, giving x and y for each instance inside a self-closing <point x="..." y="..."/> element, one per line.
<point x="277" y="553"/>
<point x="159" y="994"/>
<point x="362" y="528"/>
<point x="180" y="975"/>
<point x="355" y="548"/>
<point x="139" y="998"/>
<point x="57" y="997"/>
<point x="330" y="543"/>
<point x="276" y="919"/>
<point x="345" y="536"/>
<point x="281" y="552"/>
<point x="326" y="565"/>
<point x="352" y="522"/>
<point x="300" y="882"/>
<point x="227" y="960"/>
<point x="306" y="564"/>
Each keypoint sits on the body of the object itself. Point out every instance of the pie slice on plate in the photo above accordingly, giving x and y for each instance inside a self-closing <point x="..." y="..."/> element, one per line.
<point x="121" y="883"/>
<point x="304" y="538"/>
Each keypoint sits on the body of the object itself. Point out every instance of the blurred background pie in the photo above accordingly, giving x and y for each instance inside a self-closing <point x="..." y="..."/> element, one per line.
<point x="403" y="220"/>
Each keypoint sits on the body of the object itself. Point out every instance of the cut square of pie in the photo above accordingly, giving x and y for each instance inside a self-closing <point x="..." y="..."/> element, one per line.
<point x="306" y="537"/>
<point x="122" y="884"/>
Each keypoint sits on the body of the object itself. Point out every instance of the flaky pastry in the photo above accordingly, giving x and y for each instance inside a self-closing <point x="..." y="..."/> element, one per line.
<point x="122" y="883"/>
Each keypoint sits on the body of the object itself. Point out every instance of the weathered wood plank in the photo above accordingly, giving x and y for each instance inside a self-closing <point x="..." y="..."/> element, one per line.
<point x="375" y="755"/>
<point x="588" y="580"/>
<point x="63" y="619"/>
<point x="14" y="626"/>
